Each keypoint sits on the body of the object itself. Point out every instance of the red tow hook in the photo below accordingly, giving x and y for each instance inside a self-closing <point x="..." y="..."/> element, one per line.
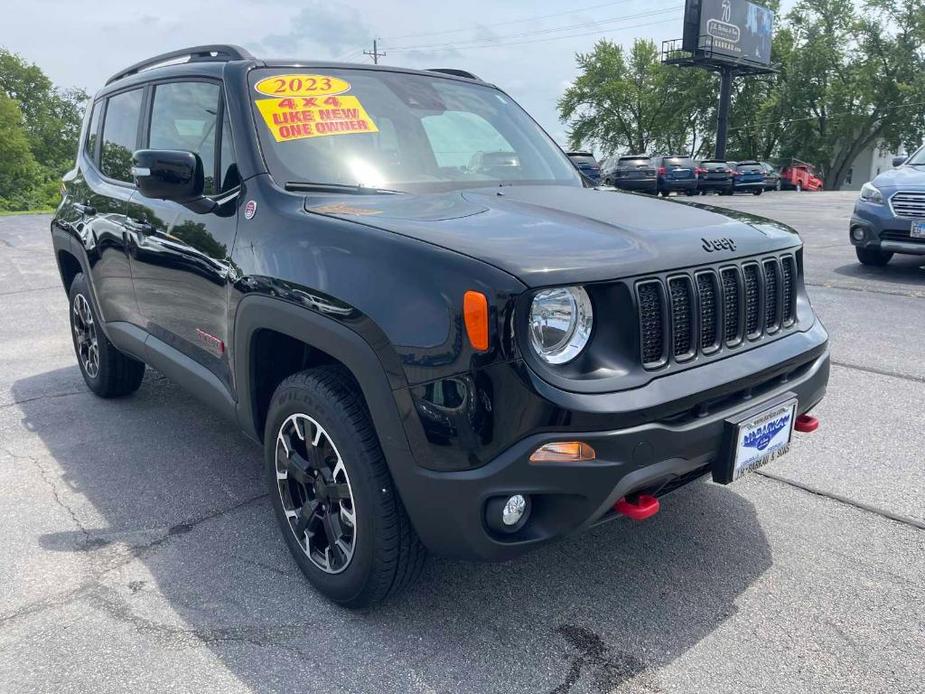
<point x="806" y="423"/>
<point x="637" y="506"/>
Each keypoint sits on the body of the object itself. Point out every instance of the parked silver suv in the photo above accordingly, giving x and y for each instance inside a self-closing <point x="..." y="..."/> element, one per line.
<point x="889" y="216"/>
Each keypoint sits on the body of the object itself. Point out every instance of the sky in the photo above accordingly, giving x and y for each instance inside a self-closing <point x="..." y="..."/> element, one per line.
<point x="526" y="48"/>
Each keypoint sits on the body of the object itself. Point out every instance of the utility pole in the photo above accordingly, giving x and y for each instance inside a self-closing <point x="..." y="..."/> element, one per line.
<point x="726" y="73"/>
<point x="375" y="54"/>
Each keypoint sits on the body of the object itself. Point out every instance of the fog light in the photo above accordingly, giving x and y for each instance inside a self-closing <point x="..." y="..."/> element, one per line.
<point x="513" y="510"/>
<point x="508" y="514"/>
<point x="857" y="234"/>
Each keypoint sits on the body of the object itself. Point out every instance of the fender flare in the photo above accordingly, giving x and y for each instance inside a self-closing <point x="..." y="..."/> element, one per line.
<point x="256" y="313"/>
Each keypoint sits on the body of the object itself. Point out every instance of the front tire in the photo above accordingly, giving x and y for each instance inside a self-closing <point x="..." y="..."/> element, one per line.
<point x="758" y="192"/>
<point x="872" y="256"/>
<point x="332" y="493"/>
<point x="799" y="187"/>
<point x="107" y="372"/>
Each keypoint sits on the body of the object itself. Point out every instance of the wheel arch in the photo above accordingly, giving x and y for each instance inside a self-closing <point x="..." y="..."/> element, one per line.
<point x="297" y="338"/>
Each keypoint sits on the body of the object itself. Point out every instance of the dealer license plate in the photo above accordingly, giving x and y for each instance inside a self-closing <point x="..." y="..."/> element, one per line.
<point x="918" y="230"/>
<point x="759" y="439"/>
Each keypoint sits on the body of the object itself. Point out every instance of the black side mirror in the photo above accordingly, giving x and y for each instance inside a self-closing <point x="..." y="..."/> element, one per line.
<point x="899" y="161"/>
<point x="167" y="174"/>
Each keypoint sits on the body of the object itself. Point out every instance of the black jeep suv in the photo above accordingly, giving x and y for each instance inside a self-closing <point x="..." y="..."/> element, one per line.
<point x="396" y="282"/>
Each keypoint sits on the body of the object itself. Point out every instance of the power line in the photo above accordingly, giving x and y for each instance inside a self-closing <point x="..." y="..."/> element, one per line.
<point x="505" y="40"/>
<point x="474" y="27"/>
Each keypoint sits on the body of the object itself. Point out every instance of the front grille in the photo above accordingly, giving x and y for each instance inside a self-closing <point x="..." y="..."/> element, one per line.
<point x="771" y="303"/>
<point x="908" y="204"/>
<point x="651" y="323"/>
<point x="707" y="292"/>
<point x="707" y="310"/>
<point x="894" y="235"/>
<point x="788" y="295"/>
<point x="752" y="300"/>
<point x="731" y="302"/>
<point x="682" y="317"/>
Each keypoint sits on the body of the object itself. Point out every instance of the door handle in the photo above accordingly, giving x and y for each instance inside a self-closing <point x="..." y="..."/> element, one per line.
<point x="85" y="210"/>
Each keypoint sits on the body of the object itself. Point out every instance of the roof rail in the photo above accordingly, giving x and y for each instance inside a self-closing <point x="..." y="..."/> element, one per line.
<point x="456" y="73"/>
<point x="211" y="53"/>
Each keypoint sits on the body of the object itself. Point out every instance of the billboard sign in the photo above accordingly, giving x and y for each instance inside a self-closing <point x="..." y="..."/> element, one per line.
<point x="737" y="30"/>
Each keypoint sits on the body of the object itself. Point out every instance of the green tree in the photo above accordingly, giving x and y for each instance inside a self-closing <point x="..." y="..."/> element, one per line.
<point x="630" y="101"/>
<point x="854" y="78"/>
<point x="51" y="117"/>
<point x="19" y="173"/>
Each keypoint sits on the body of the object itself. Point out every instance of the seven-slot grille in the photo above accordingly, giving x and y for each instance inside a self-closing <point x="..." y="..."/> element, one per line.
<point x="711" y="309"/>
<point x="906" y="204"/>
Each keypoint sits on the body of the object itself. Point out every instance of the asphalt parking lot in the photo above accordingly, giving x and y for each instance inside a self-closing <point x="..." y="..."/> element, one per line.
<point x="137" y="549"/>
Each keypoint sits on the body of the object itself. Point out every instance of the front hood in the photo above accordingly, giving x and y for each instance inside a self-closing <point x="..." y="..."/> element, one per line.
<point x="547" y="235"/>
<point x="904" y="178"/>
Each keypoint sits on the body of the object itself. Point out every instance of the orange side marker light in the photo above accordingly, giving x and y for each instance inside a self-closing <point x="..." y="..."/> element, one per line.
<point x="475" y="313"/>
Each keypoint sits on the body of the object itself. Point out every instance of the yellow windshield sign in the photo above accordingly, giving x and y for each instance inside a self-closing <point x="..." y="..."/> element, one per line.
<point x="296" y="119"/>
<point x="282" y="86"/>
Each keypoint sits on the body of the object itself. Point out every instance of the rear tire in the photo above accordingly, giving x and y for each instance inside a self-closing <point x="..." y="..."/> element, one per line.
<point x="318" y="428"/>
<point x="873" y="256"/>
<point x="665" y="193"/>
<point x="107" y="372"/>
<point x="758" y="192"/>
<point x="798" y="187"/>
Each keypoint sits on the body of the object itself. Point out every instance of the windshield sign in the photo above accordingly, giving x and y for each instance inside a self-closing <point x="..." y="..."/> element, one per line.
<point x="398" y="131"/>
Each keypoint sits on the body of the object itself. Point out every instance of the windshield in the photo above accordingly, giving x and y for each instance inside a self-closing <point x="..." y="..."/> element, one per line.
<point x="411" y="133"/>
<point x="918" y="158"/>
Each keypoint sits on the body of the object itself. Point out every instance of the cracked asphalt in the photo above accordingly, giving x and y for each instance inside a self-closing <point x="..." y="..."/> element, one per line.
<point x="137" y="549"/>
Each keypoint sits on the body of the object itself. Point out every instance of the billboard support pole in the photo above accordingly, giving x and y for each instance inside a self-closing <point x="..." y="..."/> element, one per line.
<point x="726" y="72"/>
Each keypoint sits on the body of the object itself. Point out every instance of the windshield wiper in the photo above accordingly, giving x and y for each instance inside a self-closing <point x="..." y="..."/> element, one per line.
<point x="310" y="187"/>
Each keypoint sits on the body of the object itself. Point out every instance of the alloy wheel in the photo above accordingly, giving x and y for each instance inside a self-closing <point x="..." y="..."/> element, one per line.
<point x="88" y="348"/>
<point x="316" y="494"/>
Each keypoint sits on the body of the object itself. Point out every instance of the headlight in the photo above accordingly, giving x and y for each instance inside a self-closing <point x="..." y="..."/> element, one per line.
<point x="560" y="323"/>
<point x="870" y="193"/>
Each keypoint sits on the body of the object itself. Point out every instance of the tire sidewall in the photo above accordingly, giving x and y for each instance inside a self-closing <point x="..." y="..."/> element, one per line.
<point x="352" y="581"/>
<point x="79" y="286"/>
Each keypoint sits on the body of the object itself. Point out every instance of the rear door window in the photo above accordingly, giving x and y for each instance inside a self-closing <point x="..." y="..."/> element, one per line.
<point x="184" y="116"/>
<point x="120" y="134"/>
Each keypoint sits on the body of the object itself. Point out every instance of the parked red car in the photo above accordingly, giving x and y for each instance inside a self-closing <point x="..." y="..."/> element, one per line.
<point x="798" y="175"/>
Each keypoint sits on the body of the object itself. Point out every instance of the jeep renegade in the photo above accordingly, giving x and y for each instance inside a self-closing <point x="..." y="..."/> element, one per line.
<point x="398" y="284"/>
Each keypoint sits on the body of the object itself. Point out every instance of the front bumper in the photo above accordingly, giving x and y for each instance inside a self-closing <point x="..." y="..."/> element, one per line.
<point x="883" y="230"/>
<point x="683" y="434"/>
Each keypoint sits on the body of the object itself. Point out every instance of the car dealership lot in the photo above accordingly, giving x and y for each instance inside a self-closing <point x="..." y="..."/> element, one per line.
<point x="138" y="549"/>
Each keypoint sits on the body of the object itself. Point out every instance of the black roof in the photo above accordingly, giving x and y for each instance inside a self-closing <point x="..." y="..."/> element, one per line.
<point x="209" y="59"/>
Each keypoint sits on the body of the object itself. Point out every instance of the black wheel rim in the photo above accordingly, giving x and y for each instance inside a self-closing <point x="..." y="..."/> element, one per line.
<point x="88" y="349"/>
<point x="315" y="492"/>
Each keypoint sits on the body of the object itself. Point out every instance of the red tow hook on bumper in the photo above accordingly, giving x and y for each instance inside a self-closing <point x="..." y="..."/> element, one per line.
<point x="806" y="423"/>
<point x="637" y="506"/>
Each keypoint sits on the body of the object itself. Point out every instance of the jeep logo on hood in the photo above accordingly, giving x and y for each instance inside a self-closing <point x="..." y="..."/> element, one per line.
<point x="720" y="244"/>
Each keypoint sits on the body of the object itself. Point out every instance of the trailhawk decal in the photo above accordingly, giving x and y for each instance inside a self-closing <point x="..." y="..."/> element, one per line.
<point x="311" y="106"/>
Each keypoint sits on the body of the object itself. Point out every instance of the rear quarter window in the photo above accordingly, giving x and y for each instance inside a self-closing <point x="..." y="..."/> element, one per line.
<point x="93" y="133"/>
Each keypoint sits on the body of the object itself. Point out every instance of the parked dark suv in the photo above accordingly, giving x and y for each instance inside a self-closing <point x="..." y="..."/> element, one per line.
<point x="398" y="285"/>
<point x="634" y="172"/>
<point x="715" y="176"/>
<point x="676" y="173"/>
